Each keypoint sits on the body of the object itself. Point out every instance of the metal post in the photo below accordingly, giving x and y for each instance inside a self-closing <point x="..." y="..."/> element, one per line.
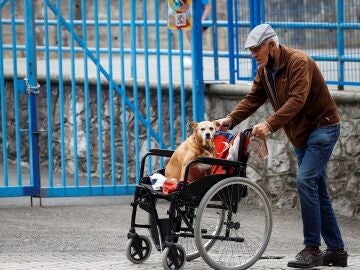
<point x="262" y="11"/>
<point x="215" y="39"/>
<point x="135" y="86"/>
<point x="32" y="99"/>
<point x="255" y="19"/>
<point x="230" y="12"/>
<point x="197" y="56"/>
<point x="340" y="43"/>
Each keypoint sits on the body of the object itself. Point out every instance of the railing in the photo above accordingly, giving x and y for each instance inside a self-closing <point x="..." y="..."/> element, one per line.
<point x="329" y="31"/>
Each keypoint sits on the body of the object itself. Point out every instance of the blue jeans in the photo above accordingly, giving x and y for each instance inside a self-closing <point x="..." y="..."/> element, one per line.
<point x="316" y="210"/>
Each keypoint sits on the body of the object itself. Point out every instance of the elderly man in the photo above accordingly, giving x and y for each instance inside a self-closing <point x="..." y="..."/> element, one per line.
<point x="304" y="108"/>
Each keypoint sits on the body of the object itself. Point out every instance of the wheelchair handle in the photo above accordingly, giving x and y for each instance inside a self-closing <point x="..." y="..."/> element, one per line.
<point x="248" y="131"/>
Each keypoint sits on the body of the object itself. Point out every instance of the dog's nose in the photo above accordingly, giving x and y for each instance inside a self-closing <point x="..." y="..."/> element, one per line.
<point x="208" y="136"/>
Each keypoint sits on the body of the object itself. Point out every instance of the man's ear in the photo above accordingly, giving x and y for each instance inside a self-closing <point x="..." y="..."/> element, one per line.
<point x="272" y="44"/>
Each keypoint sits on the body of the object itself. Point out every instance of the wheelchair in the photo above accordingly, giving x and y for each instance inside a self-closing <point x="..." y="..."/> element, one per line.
<point x="223" y="218"/>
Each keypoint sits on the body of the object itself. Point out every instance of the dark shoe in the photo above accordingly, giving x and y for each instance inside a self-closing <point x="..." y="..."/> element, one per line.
<point x="335" y="257"/>
<point x="307" y="258"/>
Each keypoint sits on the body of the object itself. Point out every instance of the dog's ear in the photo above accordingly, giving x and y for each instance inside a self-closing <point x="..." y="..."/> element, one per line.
<point x="193" y="124"/>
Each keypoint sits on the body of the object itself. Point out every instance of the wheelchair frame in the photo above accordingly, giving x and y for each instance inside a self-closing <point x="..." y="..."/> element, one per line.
<point x="183" y="203"/>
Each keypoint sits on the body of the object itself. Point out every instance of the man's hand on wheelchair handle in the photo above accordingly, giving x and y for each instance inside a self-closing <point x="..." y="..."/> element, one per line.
<point x="261" y="131"/>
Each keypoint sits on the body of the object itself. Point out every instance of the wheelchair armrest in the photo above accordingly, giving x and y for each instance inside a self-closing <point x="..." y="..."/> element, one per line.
<point x="217" y="161"/>
<point x="161" y="152"/>
<point x="154" y="152"/>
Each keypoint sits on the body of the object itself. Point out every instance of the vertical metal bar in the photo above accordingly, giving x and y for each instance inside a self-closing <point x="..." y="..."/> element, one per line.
<point x="230" y="13"/>
<point x="135" y="88"/>
<point x="198" y="82"/>
<point x="61" y="99"/>
<point x="237" y="38"/>
<point x="86" y="96"/>
<point x="147" y="82"/>
<point x="159" y="88"/>
<point x="254" y="20"/>
<point x="16" y="97"/>
<point x="262" y="11"/>
<point x="3" y="110"/>
<point x="171" y="92"/>
<point x="340" y="43"/>
<point x="215" y="39"/>
<point x="32" y="80"/>
<point x="48" y="100"/>
<point x="73" y="94"/>
<point x="123" y="88"/>
<point x="256" y="12"/>
<point x="158" y="62"/>
<point x="98" y="93"/>
<point x="111" y="95"/>
<point x="182" y="87"/>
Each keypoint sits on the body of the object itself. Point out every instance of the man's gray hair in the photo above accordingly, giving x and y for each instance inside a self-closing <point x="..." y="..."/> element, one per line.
<point x="275" y="39"/>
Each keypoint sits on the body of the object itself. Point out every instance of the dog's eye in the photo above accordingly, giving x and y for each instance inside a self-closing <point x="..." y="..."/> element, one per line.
<point x="202" y="129"/>
<point x="211" y="128"/>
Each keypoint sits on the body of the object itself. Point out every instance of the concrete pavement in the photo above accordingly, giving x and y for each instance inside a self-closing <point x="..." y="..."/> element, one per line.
<point x="90" y="233"/>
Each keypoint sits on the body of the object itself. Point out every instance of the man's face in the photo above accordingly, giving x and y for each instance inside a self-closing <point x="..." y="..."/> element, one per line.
<point x="260" y="53"/>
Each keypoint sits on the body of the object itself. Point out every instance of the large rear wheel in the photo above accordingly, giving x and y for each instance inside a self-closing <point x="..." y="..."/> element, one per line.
<point x="246" y="226"/>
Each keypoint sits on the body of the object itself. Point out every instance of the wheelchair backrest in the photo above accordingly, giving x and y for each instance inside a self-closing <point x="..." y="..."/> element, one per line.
<point x="231" y="147"/>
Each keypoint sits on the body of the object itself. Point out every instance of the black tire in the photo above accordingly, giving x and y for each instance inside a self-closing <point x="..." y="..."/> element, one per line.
<point x="138" y="249"/>
<point x="247" y="225"/>
<point x="172" y="261"/>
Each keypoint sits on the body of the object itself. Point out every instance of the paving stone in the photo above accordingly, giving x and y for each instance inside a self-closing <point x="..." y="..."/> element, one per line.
<point x="90" y="233"/>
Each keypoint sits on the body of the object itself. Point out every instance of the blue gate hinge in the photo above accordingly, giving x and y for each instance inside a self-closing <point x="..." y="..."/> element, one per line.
<point x="24" y="87"/>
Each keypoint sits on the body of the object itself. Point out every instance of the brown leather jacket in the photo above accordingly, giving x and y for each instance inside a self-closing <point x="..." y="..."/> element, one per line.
<point x="299" y="95"/>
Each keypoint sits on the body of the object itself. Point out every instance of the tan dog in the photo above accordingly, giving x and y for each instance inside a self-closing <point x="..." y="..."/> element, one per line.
<point x="200" y="143"/>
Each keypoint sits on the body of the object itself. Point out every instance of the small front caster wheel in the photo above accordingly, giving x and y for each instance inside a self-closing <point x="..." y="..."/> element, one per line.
<point x="173" y="257"/>
<point x="138" y="249"/>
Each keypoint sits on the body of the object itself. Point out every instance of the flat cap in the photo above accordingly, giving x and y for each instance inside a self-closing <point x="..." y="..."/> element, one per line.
<point x="258" y="35"/>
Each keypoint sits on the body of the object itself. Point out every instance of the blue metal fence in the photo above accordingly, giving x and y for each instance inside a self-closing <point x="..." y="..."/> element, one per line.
<point x="329" y="31"/>
<point x="113" y="81"/>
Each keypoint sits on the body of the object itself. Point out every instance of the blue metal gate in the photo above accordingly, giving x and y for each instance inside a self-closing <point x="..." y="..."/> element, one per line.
<point x="30" y="88"/>
<point x="87" y="110"/>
